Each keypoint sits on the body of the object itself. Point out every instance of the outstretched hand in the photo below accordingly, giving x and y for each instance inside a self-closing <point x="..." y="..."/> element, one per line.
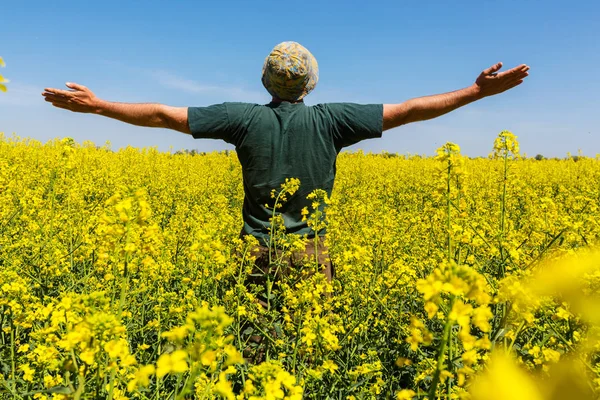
<point x="78" y="99"/>
<point x="490" y="82"/>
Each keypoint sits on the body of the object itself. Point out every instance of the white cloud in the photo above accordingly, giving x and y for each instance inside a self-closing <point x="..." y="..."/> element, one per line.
<point x="21" y="94"/>
<point x="173" y="81"/>
<point x="176" y="82"/>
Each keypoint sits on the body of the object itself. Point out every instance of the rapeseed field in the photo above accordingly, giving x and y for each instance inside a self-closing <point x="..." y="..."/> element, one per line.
<point x="123" y="276"/>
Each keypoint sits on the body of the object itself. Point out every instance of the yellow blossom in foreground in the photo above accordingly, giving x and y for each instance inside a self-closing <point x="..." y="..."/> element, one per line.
<point x="504" y="380"/>
<point x="142" y="377"/>
<point x="171" y="363"/>
<point x="405" y="394"/>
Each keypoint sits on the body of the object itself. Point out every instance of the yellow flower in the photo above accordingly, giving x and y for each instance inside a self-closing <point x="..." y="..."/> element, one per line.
<point x="461" y="313"/>
<point x="504" y="380"/>
<point x="177" y="334"/>
<point x="329" y="366"/>
<point x="171" y="363"/>
<point x="208" y="357"/>
<point x="470" y="357"/>
<point x="561" y="313"/>
<point x="402" y="361"/>
<point x="223" y="387"/>
<point x="117" y="348"/>
<point x="51" y="381"/>
<point x="28" y="372"/>
<point x="88" y="356"/>
<point x="405" y="394"/>
<point x="481" y="318"/>
<point x="242" y="311"/>
<point x="141" y="378"/>
<point x="2" y="79"/>
<point x="431" y="309"/>
<point x="551" y="355"/>
<point x="233" y="356"/>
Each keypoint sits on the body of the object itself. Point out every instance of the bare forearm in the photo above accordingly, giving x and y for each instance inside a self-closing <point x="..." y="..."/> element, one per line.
<point x="490" y="82"/>
<point x="146" y="114"/>
<point x="81" y="99"/>
<point x="428" y="107"/>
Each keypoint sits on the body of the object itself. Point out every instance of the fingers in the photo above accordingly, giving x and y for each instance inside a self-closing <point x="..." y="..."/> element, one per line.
<point x="57" y="92"/>
<point x="63" y="106"/>
<point x="510" y="85"/>
<point x="56" y="98"/>
<point x="514" y="77"/>
<point x="76" y="86"/>
<point x="51" y="95"/>
<point x="59" y="102"/>
<point x="66" y="93"/>
<point x="513" y="84"/>
<point x="492" y="69"/>
<point x="520" y="71"/>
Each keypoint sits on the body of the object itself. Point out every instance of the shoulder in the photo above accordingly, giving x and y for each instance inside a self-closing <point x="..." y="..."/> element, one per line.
<point x="243" y="106"/>
<point x="222" y="110"/>
<point x="346" y="106"/>
<point x="227" y="105"/>
<point x="349" y="109"/>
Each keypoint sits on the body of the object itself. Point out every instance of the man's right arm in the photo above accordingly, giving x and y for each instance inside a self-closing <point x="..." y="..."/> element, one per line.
<point x="487" y="84"/>
<point x="81" y="99"/>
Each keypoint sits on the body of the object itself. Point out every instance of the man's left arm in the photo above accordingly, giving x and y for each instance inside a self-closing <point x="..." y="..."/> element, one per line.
<point x="489" y="83"/>
<point x="83" y="100"/>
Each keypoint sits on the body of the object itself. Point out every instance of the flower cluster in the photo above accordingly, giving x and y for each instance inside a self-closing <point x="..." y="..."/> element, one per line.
<point x="2" y="79"/>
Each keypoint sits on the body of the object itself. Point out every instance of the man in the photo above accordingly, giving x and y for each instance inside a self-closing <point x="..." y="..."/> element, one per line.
<point x="285" y="138"/>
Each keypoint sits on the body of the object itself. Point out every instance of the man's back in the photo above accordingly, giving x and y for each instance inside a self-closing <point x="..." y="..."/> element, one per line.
<point x="285" y="140"/>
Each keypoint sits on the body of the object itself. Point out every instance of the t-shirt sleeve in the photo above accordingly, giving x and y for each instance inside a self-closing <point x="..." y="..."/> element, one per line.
<point x="355" y="122"/>
<point x="219" y="121"/>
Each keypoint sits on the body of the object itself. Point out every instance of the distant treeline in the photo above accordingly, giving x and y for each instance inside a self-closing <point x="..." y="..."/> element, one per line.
<point x="385" y="154"/>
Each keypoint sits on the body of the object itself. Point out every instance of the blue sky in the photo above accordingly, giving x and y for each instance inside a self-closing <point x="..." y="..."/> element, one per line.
<point x="195" y="53"/>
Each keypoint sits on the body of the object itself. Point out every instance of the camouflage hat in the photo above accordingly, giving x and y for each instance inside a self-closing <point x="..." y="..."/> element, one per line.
<point x="290" y="72"/>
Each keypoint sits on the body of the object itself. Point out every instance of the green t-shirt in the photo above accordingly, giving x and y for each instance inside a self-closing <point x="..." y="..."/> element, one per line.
<point x="285" y="140"/>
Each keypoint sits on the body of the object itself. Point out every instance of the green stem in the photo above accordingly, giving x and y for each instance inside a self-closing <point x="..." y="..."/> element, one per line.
<point x="177" y="386"/>
<point x="12" y="356"/>
<point x="569" y="345"/>
<point x="512" y="343"/>
<point x="80" y="379"/>
<point x="159" y="351"/>
<point x="113" y="373"/>
<point x="440" y="358"/>
<point x="503" y="215"/>
<point x="239" y="336"/>
<point x="450" y="363"/>
<point x="272" y="248"/>
<point x="296" y="344"/>
<point x="448" y="205"/>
